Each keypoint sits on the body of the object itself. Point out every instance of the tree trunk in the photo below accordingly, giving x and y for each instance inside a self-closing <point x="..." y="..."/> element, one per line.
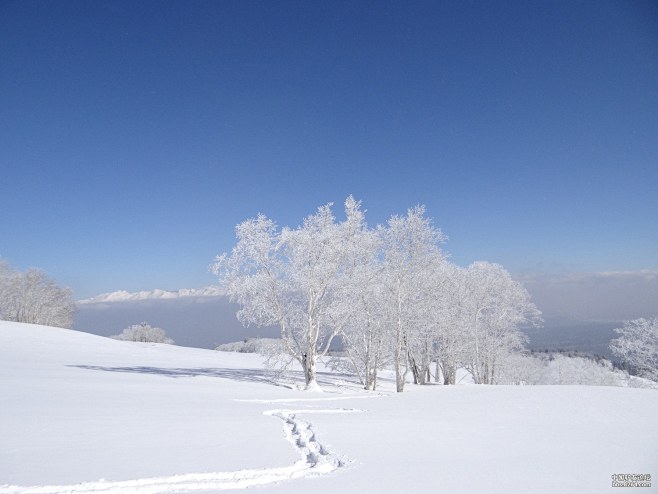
<point x="368" y="376"/>
<point x="449" y="373"/>
<point x="399" y="375"/>
<point x="417" y="370"/>
<point x="310" y="376"/>
<point x="376" y="363"/>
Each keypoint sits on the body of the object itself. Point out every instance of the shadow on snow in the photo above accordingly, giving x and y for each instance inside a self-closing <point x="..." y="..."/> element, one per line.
<point x="241" y="375"/>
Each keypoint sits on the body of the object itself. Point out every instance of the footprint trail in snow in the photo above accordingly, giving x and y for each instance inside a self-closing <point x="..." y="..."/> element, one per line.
<point x="315" y="460"/>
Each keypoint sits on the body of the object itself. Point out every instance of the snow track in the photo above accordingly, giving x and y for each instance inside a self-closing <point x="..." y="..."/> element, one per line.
<point x="315" y="460"/>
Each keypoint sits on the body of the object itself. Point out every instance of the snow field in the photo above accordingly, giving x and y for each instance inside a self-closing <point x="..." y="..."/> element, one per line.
<point x="315" y="460"/>
<point x="76" y="409"/>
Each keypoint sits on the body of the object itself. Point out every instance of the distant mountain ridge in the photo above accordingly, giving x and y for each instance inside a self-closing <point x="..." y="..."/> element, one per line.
<point x="204" y="317"/>
<point x="157" y="294"/>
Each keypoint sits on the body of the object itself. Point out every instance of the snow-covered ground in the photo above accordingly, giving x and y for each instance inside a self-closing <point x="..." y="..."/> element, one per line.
<point x="82" y="413"/>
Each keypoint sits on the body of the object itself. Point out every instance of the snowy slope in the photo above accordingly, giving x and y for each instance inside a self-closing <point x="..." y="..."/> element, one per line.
<point x="81" y="413"/>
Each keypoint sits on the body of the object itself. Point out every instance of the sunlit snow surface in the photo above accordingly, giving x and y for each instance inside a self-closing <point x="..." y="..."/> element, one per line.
<point x="81" y="413"/>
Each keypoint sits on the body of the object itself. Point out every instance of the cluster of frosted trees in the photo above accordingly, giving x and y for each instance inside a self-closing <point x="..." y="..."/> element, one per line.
<point x="32" y="297"/>
<point x="556" y="368"/>
<point x="388" y="292"/>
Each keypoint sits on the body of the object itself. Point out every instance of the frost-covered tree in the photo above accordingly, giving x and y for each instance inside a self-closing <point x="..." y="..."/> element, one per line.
<point x="637" y="345"/>
<point x="450" y="318"/>
<point x="410" y="247"/>
<point x="360" y="303"/>
<point x="496" y="306"/>
<point x="32" y="297"/>
<point x="144" y="333"/>
<point x="432" y="304"/>
<point x="292" y="278"/>
<point x="6" y="282"/>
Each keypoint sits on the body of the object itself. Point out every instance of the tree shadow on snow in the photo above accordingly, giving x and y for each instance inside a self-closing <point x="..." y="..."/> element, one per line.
<point x="242" y="375"/>
<point x="325" y="379"/>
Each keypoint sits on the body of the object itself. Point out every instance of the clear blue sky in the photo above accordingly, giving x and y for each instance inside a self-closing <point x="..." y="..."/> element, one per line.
<point x="135" y="135"/>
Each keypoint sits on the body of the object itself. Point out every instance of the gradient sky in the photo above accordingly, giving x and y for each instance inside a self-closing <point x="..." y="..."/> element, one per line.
<point x="135" y="135"/>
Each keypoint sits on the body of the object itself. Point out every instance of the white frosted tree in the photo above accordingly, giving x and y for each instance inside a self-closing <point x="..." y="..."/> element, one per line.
<point x="450" y="319"/>
<point x="495" y="308"/>
<point x="360" y="305"/>
<point x="292" y="278"/>
<point x="6" y="287"/>
<point x="33" y="298"/>
<point x="144" y="333"/>
<point x="431" y="305"/>
<point x="637" y="346"/>
<point x="410" y="246"/>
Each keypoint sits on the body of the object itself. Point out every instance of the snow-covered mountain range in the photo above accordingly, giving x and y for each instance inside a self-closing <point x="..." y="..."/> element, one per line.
<point x="125" y="296"/>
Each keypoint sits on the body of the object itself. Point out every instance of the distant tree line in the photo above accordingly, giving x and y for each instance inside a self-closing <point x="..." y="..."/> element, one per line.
<point x="32" y="297"/>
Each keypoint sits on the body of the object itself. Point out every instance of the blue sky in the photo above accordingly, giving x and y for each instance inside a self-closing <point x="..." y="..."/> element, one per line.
<point x="134" y="136"/>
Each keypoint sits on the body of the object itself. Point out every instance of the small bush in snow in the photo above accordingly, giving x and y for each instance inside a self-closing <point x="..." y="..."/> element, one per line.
<point x="234" y="346"/>
<point x="249" y="345"/>
<point x="144" y="333"/>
